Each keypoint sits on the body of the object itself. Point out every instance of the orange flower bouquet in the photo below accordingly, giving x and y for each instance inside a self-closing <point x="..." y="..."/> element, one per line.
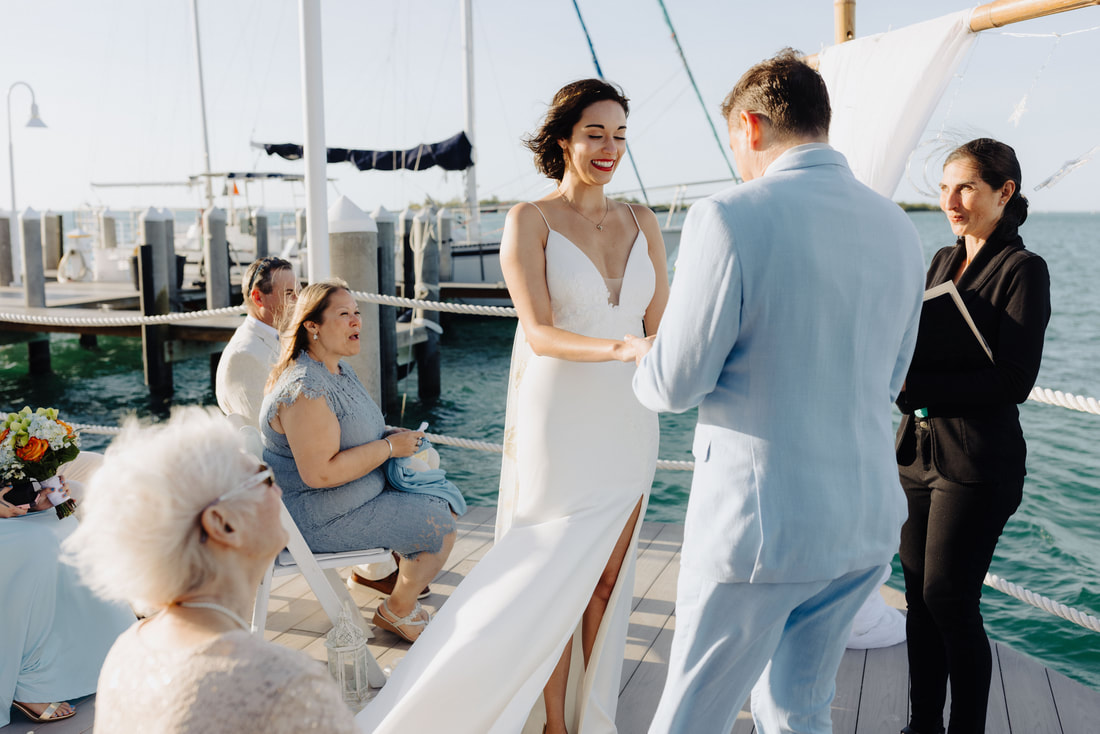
<point x="32" y="447"/>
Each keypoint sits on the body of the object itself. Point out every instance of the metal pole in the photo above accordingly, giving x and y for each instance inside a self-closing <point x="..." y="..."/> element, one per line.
<point x="313" y="104"/>
<point x="844" y="19"/>
<point x="34" y="122"/>
<point x="1005" y="12"/>
<point x="202" y="106"/>
<point x="473" y="221"/>
<point x="16" y="242"/>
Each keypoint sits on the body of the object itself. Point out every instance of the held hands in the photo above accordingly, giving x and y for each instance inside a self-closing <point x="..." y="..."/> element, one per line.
<point x="404" y="442"/>
<point x="7" y="509"/>
<point x="637" y="347"/>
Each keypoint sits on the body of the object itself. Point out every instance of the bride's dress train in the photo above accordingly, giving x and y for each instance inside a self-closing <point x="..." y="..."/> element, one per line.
<point x="580" y="454"/>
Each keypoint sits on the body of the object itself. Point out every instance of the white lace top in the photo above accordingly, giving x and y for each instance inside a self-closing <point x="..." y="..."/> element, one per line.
<point x="234" y="683"/>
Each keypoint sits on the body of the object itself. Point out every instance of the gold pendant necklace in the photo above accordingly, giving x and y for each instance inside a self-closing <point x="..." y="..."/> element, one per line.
<point x="599" y="224"/>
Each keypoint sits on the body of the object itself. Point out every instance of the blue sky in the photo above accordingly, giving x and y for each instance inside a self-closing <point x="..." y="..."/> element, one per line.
<point x="115" y="82"/>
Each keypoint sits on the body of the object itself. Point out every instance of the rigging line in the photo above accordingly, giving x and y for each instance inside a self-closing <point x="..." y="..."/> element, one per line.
<point x="599" y="73"/>
<point x="698" y="95"/>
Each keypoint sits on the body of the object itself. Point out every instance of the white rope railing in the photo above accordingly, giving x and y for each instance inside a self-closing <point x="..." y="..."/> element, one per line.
<point x="132" y="320"/>
<point x="1065" y="400"/>
<point x="1058" y="609"/>
<point x="466" y="308"/>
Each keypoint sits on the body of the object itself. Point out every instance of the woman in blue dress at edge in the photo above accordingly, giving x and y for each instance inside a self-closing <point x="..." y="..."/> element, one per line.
<point x="56" y="630"/>
<point x="960" y="447"/>
<point x="546" y="610"/>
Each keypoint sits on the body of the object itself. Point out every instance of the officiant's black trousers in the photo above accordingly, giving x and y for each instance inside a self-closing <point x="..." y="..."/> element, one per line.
<point x="946" y="546"/>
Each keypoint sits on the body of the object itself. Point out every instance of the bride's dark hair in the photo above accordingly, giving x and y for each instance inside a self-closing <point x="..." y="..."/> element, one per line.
<point x="564" y="113"/>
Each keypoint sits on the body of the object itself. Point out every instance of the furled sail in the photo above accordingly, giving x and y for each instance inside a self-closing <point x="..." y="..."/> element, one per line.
<point x="884" y="89"/>
<point x="453" y="154"/>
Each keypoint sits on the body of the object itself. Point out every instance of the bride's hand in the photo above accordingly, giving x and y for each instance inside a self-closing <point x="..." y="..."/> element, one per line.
<point x="639" y="346"/>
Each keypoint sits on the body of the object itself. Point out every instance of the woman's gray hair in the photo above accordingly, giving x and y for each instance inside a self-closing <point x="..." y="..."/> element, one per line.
<point x="139" y="538"/>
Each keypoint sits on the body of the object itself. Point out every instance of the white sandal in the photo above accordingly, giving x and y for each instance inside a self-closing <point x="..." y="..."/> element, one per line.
<point x="385" y="619"/>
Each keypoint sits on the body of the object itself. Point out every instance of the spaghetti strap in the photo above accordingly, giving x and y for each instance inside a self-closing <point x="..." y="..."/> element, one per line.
<point x="541" y="214"/>
<point x="636" y="224"/>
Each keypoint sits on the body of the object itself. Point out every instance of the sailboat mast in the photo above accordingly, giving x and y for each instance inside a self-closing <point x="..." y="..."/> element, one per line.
<point x="473" y="221"/>
<point x="202" y="107"/>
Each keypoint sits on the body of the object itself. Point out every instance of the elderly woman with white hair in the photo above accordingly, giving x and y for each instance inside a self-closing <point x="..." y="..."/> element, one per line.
<point x="182" y="523"/>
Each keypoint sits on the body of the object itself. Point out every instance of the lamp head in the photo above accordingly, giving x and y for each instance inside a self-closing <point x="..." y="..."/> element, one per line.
<point x="35" y="120"/>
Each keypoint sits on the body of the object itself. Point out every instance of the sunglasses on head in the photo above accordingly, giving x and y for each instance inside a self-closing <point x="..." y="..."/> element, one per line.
<point x="263" y="477"/>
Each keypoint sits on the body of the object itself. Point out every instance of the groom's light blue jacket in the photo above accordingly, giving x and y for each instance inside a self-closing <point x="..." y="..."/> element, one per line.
<point x="791" y="322"/>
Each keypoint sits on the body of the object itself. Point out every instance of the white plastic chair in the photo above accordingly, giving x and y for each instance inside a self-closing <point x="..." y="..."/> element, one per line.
<point x="319" y="570"/>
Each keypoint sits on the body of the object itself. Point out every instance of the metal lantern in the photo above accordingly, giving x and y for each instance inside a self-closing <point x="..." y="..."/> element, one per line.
<point x="347" y="659"/>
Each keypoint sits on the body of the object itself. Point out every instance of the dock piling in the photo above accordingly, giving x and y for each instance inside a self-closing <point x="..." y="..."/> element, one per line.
<point x="353" y="256"/>
<point x="444" y="224"/>
<point x="34" y="278"/>
<point x="52" y="246"/>
<point x="425" y="247"/>
<point x="7" y="274"/>
<point x="259" y="228"/>
<point x="387" y="315"/>
<point x="154" y="300"/>
<point x="108" y="230"/>
<point x="216" y="253"/>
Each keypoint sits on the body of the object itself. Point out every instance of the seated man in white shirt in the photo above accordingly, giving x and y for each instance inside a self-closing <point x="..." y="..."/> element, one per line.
<point x="270" y="287"/>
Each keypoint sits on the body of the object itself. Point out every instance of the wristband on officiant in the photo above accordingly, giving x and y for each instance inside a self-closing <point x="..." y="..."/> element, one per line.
<point x="921" y="412"/>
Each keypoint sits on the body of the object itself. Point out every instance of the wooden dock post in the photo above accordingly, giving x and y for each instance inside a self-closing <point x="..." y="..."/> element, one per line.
<point x="259" y="229"/>
<point x="175" y="303"/>
<point x="151" y="231"/>
<point x="52" y="246"/>
<point x="353" y="256"/>
<point x="216" y="253"/>
<point x="300" y="232"/>
<point x="154" y="300"/>
<point x="403" y="258"/>
<point x="387" y="315"/>
<point x="7" y="274"/>
<point x="34" y="279"/>
<point x="425" y="247"/>
<point x="444" y="224"/>
<point x="108" y="229"/>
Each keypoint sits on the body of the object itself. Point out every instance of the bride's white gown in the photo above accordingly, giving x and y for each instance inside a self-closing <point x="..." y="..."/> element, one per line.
<point x="580" y="452"/>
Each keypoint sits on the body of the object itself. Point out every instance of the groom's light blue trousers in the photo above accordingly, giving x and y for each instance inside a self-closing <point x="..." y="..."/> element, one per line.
<point x="782" y="641"/>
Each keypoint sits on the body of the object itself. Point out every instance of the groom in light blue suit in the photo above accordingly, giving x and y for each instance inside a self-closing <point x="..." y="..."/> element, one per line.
<point x="791" y="322"/>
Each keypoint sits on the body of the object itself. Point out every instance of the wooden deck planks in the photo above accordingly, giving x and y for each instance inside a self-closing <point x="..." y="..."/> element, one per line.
<point x="872" y="685"/>
<point x="884" y="696"/>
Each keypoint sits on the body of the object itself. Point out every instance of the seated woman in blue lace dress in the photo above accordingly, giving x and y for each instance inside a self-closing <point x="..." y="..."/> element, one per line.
<point x="56" y="631"/>
<point x="326" y="441"/>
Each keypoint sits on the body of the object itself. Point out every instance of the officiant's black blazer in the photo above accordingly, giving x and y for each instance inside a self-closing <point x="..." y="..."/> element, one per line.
<point x="972" y="415"/>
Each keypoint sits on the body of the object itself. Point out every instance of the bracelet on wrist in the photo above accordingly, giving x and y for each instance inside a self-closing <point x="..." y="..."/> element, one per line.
<point x="387" y="440"/>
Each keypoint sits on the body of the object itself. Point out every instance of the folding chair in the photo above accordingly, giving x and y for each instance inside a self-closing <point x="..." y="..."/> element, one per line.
<point x="319" y="570"/>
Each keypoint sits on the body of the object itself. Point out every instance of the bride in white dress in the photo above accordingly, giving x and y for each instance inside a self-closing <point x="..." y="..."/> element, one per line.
<point x="533" y="639"/>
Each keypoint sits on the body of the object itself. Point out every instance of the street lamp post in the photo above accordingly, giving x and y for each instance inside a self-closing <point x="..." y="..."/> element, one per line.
<point x="35" y="121"/>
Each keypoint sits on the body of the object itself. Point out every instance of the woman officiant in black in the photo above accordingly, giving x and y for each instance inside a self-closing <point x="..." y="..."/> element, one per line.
<point x="960" y="448"/>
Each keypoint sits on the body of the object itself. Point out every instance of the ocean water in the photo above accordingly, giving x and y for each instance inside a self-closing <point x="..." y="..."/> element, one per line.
<point x="1051" y="545"/>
